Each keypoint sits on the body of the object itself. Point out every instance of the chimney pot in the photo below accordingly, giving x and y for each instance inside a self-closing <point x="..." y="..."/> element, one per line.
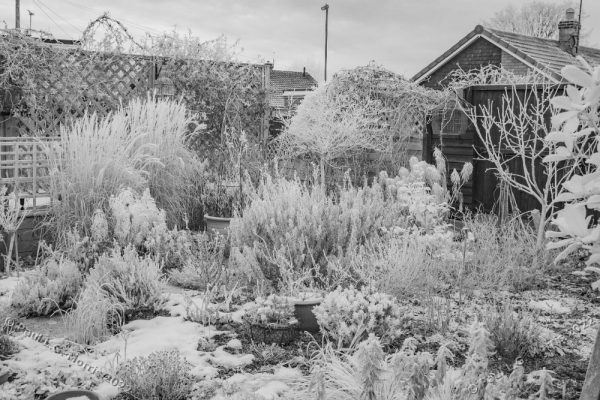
<point x="304" y="71"/>
<point x="568" y="33"/>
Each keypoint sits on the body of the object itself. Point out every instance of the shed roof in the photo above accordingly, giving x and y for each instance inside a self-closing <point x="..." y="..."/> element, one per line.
<point x="289" y="81"/>
<point x="543" y="55"/>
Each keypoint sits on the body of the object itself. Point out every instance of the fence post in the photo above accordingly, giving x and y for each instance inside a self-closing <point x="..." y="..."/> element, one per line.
<point x="591" y="386"/>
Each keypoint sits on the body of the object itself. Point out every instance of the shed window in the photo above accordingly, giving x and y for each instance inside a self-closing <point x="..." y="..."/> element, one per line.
<point x="449" y="120"/>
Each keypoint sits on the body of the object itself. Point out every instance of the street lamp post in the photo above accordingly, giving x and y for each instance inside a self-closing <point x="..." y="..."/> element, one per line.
<point x="326" y="9"/>
<point x="30" y="15"/>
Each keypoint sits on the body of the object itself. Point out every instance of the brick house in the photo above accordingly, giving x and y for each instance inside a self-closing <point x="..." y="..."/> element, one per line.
<point x="522" y="55"/>
<point x="287" y="90"/>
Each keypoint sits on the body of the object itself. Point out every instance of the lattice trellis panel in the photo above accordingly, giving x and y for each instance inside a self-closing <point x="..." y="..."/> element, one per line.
<point x="67" y="83"/>
<point x="223" y="94"/>
<point x="25" y="165"/>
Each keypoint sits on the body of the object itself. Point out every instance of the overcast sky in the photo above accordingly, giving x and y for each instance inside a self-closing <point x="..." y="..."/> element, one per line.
<point x="402" y="35"/>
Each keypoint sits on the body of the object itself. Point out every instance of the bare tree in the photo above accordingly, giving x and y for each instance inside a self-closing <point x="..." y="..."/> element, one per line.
<point x="331" y="127"/>
<point x="516" y="137"/>
<point x="534" y="18"/>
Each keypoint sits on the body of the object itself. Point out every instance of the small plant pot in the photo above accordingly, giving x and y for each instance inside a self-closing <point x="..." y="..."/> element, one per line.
<point x="273" y="333"/>
<point x="303" y="311"/>
<point x="72" y="394"/>
<point x="217" y="225"/>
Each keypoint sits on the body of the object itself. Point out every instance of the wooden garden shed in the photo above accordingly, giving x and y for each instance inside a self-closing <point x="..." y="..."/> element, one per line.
<point x="518" y="55"/>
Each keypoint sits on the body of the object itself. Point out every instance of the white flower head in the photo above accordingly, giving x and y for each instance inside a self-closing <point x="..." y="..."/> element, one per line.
<point x="455" y="177"/>
<point x="467" y="171"/>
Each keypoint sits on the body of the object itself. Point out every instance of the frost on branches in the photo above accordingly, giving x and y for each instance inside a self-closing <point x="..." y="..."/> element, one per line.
<point x="576" y="129"/>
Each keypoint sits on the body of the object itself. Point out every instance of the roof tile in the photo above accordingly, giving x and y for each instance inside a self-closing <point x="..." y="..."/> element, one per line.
<point x="288" y="80"/>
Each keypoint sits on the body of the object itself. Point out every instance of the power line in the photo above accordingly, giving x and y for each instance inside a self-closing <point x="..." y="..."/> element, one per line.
<point x="58" y="15"/>
<point x="140" y="27"/>
<point x="52" y="19"/>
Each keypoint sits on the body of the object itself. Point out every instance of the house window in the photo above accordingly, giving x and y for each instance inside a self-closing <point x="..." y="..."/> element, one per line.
<point x="293" y="97"/>
<point x="449" y="119"/>
<point x="292" y="101"/>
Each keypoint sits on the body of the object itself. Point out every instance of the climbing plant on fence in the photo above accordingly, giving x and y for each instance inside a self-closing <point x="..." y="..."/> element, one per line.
<point x="44" y="85"/>
<point x="223" y="94"/>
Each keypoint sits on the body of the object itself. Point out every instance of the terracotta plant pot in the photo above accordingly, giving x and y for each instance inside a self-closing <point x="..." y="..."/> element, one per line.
<point x="71" y="394"/>
<point x="303" y="311"/>
<point x="217" y="225"/>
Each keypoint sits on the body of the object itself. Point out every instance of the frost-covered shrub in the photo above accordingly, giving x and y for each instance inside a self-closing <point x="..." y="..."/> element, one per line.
<point x="132" y="219"/>
<point x="133" y="281"/>
<point x="576" y="138"/>
<point x="7" y="347"/>
<point x="86" y="250"/>
<point x="202" y="259"/>
<point x="271" y="310"/>
<point x="135" y="217"/>
<point x="286" y="217"/>
<point x="163" y="375"/>
<point x="53" y="286"/>
<point x="350" y="314"/>
<point x="173" y="248"/>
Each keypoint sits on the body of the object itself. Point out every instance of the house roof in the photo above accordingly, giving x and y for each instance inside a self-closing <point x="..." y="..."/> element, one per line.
<point x="282" y="81"/>
<point x="543" y="55"/>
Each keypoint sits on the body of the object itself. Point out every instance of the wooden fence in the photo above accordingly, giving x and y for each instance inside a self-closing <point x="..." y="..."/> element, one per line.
<point x="53" y="85"/>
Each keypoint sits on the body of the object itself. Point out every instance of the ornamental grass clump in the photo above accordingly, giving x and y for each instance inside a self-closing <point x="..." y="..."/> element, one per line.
<point x="95" y="317"/>
<point x="515" y="334"/>
<point x="347" y="315"/>
<point x="139" y="146"/>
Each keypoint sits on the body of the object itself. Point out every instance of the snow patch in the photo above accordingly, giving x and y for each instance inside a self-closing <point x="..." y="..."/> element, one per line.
<point x="234" y="344"/>
<point x="7" y="287"/>
<point x="272" y="390"/>
<point x="228" y="360"/>
<point x="549" y="306"/>
<point x="140" y="338"/>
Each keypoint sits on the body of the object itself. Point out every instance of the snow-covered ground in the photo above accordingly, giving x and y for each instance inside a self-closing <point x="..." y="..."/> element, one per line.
<point x="41" y="367"/>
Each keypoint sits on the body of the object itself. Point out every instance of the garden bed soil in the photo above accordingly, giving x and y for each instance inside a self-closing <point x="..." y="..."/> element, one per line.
<point x="269" y="356"/>
<point x="562" y="300"/>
